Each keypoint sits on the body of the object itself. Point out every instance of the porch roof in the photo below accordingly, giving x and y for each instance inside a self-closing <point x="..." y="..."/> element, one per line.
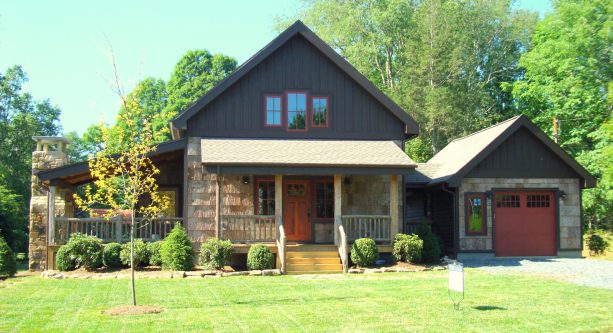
<point x="306" y="155"/>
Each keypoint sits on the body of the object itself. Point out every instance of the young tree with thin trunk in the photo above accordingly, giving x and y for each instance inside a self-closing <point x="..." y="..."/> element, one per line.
<point x="126" y="180"/>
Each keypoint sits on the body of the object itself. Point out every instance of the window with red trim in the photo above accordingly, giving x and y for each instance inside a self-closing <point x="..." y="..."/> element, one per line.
<point x="475" y="214"/>
<point x="319" y="107"/>
<point x="265" y="197"/>
<point x="296" y="111"/>
<point x="324" y="199"/>
<point x="272" y="108"/>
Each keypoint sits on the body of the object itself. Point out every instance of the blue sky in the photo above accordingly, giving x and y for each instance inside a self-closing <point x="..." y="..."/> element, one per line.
<point x="59" y="43"/>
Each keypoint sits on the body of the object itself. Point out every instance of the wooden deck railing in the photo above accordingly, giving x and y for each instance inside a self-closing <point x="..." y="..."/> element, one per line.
<point x="248" y="228"/>
<point x="376" y="227"/>
<point x="113" y="229"/>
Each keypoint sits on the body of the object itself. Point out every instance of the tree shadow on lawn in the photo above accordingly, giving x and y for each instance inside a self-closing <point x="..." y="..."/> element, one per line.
<point x="488" y="308"/>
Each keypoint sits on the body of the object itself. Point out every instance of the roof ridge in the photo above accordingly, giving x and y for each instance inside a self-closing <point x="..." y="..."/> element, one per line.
<point x="487" y="128"/>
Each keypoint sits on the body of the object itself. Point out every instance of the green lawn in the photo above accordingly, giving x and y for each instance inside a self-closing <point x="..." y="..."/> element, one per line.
<point x="383" y="303"/>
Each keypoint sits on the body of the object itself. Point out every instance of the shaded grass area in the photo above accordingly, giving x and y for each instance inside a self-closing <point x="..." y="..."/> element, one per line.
<point x="382" y="302"/>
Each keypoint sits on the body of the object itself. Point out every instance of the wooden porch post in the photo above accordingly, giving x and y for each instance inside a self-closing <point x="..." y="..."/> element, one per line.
<point x="51" y="214"/>
<point x="279" y="199"/>
<point x="217" y="205"/>
<point x="337" y="206"/>
<point x="394" y="205"/>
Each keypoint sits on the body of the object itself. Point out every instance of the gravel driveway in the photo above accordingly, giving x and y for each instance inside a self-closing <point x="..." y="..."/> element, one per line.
<point x="588" y="272"/>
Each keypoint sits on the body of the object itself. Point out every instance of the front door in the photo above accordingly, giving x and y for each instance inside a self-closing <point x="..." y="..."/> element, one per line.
<point x="297" y="210"/>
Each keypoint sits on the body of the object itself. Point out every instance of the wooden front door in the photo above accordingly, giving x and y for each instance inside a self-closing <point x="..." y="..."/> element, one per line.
<point x="297" y="210"/>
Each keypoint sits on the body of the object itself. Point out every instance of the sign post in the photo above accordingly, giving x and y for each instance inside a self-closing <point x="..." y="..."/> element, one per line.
<point x="456" y="283"/>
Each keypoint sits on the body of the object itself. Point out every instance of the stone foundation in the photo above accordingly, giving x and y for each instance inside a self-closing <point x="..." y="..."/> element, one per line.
<point x="570" y="209"/>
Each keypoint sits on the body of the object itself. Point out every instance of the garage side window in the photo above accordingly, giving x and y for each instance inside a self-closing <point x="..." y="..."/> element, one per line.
<point x="475" y="213"/>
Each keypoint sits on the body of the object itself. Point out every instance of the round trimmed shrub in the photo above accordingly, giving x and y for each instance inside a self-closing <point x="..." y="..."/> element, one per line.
<point x="80" y="251"/>
<point x="141" y="253"/>
<point x="8" y="266"/>
<point x="432" y="250"/>
<point x="111" y="255"/>
<point x="215" y="253"/>
<point x="177" y="250"/>
<point x="260" y="257"/>
<point x="407" y="248"/>
<point x="597" y="244"/>
<point x="155" y="255"/>
<point x="364" y="252"/>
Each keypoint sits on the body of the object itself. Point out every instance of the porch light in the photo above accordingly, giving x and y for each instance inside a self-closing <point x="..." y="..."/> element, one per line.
<point x="347" y="181"/>
<point x="246" y="180"/>
<point x="562" y="195"/>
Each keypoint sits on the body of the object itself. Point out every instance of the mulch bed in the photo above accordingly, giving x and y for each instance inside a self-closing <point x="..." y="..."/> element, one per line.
<point x="131" y="310"/>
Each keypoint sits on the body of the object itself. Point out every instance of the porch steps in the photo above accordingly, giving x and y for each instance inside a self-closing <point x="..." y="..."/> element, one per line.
<point x="313" y="259"/>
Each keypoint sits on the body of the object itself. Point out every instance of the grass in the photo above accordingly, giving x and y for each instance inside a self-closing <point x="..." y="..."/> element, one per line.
<point x="383" y="302"/>
<point x="608" y="254"/>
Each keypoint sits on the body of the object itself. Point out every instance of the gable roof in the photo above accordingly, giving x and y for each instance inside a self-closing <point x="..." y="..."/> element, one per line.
<point x="180" y="121"/>
<point x="461" y="155"/>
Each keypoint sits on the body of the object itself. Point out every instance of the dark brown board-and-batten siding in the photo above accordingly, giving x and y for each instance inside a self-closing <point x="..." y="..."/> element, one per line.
<point x="297" y="65"/>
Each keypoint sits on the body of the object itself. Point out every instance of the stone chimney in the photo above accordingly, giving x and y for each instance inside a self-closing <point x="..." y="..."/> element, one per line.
<point x="50" y="153"/>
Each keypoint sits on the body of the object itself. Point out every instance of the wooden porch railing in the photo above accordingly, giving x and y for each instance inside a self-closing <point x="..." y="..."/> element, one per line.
<point x="114" y="229"/>
<point x="376" y="227"/>
<point x="248" y="228"/>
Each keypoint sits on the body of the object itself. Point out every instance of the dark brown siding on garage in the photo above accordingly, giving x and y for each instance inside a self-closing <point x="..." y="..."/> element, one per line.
<point x="522" y="155"/>
<point x="238" y="112"/>
<point x="441" y="209"/>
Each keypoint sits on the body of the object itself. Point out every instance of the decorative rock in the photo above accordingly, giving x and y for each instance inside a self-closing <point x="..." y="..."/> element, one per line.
<point x="256" y="272"/>
<point x="208" y="272"/>
<point x="178" y="274"/>
<point x="372" y="270"/>
<point x="269" y="272"/>
<point x="236" y="273"/>
<point x="438" y="268"/>
<point x="58" y="276"/>
<point x="389" y="270"/>
<point x="354" y="271"/>
<point x="194" y="274"/>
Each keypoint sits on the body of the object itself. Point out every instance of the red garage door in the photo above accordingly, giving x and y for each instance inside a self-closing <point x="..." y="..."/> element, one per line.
<point x="524" y="223"/>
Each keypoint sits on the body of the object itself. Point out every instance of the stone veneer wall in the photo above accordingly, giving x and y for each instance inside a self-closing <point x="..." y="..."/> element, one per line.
<point x="199" y="219"/>
<point x="570" y="209"/>
<point x="43" y="160"/>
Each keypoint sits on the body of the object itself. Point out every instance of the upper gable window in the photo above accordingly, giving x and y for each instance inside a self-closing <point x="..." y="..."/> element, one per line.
<point x="296" y="111"/>
<point x="272" y="109"/>
<point x="320" y="111"/>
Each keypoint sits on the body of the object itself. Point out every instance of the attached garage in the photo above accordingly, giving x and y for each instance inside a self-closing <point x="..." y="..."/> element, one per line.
<point x="512" y="192"/>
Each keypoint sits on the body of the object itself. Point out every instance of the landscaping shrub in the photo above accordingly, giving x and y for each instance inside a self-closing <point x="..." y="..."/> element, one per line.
<point x="80" y="251"/>
<point x="364" y="252"/>
<point x="177" y="251"/>
<point x="155" y="255"/>
<point x="63" y="260"/>
<point x="260" y="257"/>
<point x="8" y="266"/>
<point x="141" y="253"/>
<point x="597" y="244"/>
<point x="215" y="253"/>
<point x="407" y="248"/>
<point x="432" y="250"/>
<point x="111" y="255"/>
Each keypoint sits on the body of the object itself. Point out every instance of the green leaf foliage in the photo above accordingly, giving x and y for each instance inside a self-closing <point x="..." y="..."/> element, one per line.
<point x="432" y="250"/>
<point x="80" y="251"/>
<point x="260" y="257"/>
<point x="8" y="266"/>
<point x="364" y="252"/>
<point x="407" y="248"/>
<point x="177" y="250"/>
<point x="155" y="253"/>
<point x="111" y="255"/>
<point x="597" y="244"/>
<point x="215" y="253"/>
<point x="141" y="253"/>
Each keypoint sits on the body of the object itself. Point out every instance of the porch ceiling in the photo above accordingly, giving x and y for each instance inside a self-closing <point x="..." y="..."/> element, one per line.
<point x="320" y="154"/>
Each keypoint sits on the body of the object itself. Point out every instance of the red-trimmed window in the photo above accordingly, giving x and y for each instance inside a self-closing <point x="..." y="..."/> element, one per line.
<point x="272" y="110"/>
<point x="475" y="214"/>
<point x="324" y="199"/>
<point x="265" y="196"/>
<point x="319" y="107"/>
<point x="296" y="111"/>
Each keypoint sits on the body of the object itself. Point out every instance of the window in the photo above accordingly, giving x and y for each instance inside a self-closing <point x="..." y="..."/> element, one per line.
<point x="475" y="214"/>
<point x="296" y="190"/>
<point x="324" y="199"/>
<point x="265" y="192"/>
<point x="507" y="201"/>
<point x="272" y="110"/>
<point x="320" y="111"/>
<point x="537" y="201"/>
<point x="296" y="111"/>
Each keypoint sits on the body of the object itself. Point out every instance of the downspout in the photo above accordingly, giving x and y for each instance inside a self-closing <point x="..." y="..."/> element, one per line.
<point x="456" y="226"/>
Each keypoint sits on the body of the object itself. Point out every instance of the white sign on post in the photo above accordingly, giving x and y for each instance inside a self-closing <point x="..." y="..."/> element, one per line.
<point x="456" y="283"/>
